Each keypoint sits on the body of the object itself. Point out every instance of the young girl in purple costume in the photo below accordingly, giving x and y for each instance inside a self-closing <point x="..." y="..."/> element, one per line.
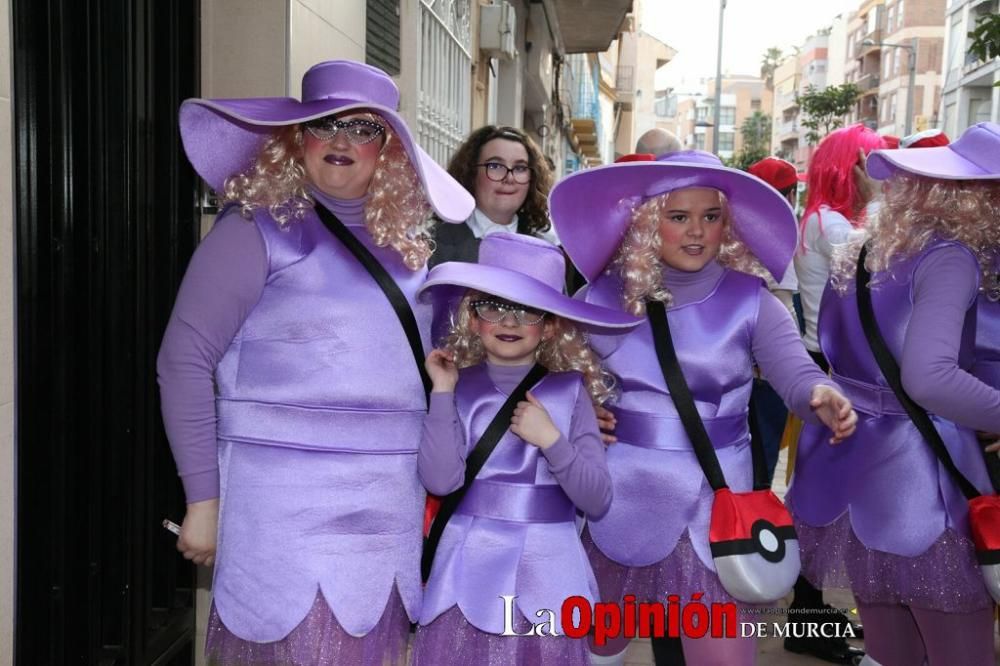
<point x="295" y="437"/>
<point x="666" y="229"/>
<point x="898" y="532"/>
<point x="514" y="533"/>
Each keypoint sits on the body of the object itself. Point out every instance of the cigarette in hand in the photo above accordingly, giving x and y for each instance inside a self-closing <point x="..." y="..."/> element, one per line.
<point x="171" y="526"/>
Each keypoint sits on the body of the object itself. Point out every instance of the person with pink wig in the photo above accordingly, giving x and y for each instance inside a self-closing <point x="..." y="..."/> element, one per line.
<point x="838" y="193"/>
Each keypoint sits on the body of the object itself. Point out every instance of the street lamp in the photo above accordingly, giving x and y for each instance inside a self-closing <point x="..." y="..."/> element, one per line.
<point x="911" y="88"/>
<point x="718" y="82"/>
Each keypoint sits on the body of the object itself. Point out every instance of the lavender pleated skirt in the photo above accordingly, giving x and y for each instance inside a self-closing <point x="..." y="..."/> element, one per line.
<point x="945" y="577"/>
<point x="319" y="640"/>
<point x="680" y="572"/>
<point x="451" y="640"/>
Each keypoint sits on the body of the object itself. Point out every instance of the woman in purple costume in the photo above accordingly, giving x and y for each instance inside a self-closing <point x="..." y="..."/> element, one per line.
<point x="672" y="230"/>
<point x="897" y="530"/>
<point x="290" y="394"/>
<point x="514" y="534"/>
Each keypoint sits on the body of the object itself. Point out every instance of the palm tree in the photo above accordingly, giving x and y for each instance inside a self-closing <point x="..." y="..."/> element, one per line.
<point x="769" y="63"/>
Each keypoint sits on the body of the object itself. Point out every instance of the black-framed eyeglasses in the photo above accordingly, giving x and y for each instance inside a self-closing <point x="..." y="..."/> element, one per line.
<point x="358" y="130"/>
<point x="494" y="312"/>
<point x="497" y="171"/>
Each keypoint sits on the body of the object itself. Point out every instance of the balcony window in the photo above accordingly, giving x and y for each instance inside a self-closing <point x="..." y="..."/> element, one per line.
<point x="699" y="141"/>
<point x="726" y="141"/>
<point x="899" y="15"/>
<point x="727" y="116"/>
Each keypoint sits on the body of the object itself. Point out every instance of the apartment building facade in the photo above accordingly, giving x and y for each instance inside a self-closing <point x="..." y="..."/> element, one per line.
<point x="885" y="39"/>
<point x="969" y="91"/>
<point x="793" y="76"/>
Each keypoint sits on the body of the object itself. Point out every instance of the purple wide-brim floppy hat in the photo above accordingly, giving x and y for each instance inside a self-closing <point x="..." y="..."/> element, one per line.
<point x="592" y="209"/>
<point x="524" y="270"/>
<point x="222" y="137"/>
<point x="974" y="156"/>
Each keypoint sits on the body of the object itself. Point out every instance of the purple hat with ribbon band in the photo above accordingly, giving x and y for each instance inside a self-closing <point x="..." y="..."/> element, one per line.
<point x="524" y="270"/>
<point x="974" y="156"/>
<point x="222" y="137"/>
<point x="592" y="209"/>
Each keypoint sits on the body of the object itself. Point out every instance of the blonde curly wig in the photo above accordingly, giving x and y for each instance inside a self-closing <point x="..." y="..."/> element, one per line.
<point x="397" y="213"/>
<point x="917" y="211"/>
<point x="566" y="350"/>
<point x="638" y="258"/>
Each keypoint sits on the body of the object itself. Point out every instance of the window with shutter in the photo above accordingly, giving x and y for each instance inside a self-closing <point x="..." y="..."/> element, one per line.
<point x="382" y="35"/>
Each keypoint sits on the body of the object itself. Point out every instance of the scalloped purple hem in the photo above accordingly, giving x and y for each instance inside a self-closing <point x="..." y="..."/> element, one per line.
<point x="319" y="640"/>
<point x="945" y="577"/>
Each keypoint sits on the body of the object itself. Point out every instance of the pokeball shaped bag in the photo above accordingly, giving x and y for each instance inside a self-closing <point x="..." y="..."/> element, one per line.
<point x="984" y="510"/>
<point x="753" y="542"/>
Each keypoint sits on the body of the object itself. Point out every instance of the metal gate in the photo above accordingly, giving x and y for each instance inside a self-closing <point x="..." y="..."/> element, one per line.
<point x="445" y="96"/>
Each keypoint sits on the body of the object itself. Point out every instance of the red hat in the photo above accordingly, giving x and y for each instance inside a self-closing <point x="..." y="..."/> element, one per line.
<point x="891" y="142"/>
<point x="776" y="172"/>
<point x="931" y="138"/>
<point x="636" y="157"/>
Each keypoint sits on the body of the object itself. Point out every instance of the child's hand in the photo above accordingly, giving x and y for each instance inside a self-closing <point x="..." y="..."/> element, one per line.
<point x="440" y="365"/>
<point x="606" y="422"/>
<point x="835" y="411"/>
<point x="199" y="532"/>
<point x="994" y="447"/>
<point x="532" y="423"/>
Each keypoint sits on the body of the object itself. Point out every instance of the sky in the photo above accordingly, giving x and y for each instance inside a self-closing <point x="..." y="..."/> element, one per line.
<point x="750" y="28"/>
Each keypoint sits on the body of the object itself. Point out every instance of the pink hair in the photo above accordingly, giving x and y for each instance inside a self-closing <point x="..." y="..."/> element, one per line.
<point x="831" y="175"/>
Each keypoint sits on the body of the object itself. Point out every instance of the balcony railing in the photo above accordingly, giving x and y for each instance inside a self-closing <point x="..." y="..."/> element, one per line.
<point x="868" y="83"/>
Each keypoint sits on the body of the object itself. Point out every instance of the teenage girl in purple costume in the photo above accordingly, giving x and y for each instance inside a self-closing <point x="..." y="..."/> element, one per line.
<point x="878" y="512"/>
<point x="663" y="230"/>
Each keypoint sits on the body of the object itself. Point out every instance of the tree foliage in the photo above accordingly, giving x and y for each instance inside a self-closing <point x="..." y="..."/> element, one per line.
<point x="756" y="133"/>
<point x="986" y="39"/>
<point x="768" y="63"/>
<point x="825" y="109"/>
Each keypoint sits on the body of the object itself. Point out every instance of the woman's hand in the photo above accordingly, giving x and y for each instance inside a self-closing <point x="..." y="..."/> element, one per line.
<point x="441" y="368"/>
<point x="606" y="422"/>
<point x="835" y="411"/>
<point x="532" y="423"/>
<point x="199" y="532"/>
<point x="867" y="187"/>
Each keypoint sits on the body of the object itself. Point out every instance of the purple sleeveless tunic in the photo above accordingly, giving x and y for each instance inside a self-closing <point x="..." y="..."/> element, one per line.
<point x="884" y="485"/>
<point x="653" y="467"/>
<point x="515" y="531"/>
<point x="319" y="417"/>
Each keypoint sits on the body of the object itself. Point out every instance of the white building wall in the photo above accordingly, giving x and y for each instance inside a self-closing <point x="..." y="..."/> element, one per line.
<point x="323" y="30"/>
<point x="837" y="51"/>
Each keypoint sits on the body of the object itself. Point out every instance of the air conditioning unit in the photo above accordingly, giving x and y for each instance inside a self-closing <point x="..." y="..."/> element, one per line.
<point x="497" y="28"/>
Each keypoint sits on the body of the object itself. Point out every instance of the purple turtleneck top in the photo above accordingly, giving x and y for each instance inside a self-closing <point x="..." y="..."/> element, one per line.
<point x="222" y="284"/>
<point x="576" y="460"/>
<point x="776" y="344"/>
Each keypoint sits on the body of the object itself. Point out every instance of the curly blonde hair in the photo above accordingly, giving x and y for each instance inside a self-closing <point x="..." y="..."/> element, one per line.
<point x="566" y="350"/>
<point x="638" y="257"/>
<point x="915" y="212"/>
<point x="397" y="214"/>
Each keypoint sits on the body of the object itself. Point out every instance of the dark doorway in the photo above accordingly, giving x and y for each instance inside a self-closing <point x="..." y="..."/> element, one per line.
<point x="106" y="219"/>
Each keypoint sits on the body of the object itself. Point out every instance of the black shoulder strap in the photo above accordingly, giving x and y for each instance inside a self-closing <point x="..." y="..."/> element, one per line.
<point x="474" y="463"/>
<point x="890" y="370"/>
<point x="388" y="286"/>
<point x="681" y="395"/>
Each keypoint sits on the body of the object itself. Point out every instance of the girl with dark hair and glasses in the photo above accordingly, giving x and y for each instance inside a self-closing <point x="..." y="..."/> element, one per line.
<point x="514" y="533"/>
<point x="506" y="172"/>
